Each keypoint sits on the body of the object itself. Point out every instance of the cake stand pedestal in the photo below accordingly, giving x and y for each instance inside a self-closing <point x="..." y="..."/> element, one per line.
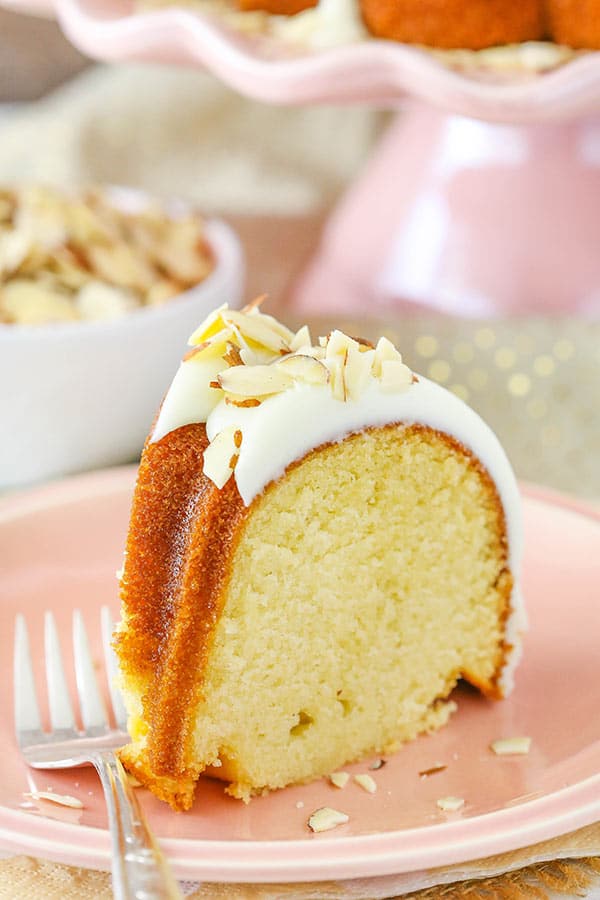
<point x="466" y="217"/>
<point x="460" y="214"/>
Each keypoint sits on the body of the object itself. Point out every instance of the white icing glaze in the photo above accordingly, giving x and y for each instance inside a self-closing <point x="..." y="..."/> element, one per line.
<point x="286" y="426"/>
<point x="187" y="400"/>
<point x="329" y="24"/>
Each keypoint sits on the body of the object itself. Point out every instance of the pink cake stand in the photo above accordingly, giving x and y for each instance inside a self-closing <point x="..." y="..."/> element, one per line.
<point x="482" y="199"/>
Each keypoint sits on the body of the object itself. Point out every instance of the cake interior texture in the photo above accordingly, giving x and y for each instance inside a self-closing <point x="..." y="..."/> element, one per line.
<point x="346" y="602"/>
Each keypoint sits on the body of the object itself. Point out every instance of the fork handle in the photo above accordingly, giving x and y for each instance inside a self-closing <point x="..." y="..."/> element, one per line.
<point x="139" y="869"/>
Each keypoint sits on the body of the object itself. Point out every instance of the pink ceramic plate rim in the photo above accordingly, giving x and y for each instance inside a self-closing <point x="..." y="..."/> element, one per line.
<point x="293" y="860"/>
<point x="378" y="72"/>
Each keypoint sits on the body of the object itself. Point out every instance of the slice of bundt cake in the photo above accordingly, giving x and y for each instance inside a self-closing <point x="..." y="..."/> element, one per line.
<point x="321" y="544"/>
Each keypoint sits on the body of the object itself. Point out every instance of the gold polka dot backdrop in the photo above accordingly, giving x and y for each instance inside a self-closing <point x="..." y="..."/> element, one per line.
<point x="537" y="383"/>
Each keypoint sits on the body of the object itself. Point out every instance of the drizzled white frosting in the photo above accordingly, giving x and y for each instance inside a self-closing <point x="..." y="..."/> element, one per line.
<point x="287" y="425"/>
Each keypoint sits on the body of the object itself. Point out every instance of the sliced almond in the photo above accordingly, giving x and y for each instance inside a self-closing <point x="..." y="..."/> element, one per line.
<point x="213" y="348"/>
<point x="357" y="371"/>
<point x="254" y="305"/>
<point x="242" y="402"/>
<point x="307" y="350"/>
<point x="339" y="344"/>
<point x="121" y="265"/>
<point x="211" y="325"/>
<point x="515" y="746"/>
<point x="301" y="338"/>
<point x="450" y="804"/>
<point x="14" y="247"/>
<point x="384" y="350"/>
<point x="161" y="291"/>
<point x="336" y="378"/>
<point x="366" y="782"/>
<point x="232" y="357"/>
<point x="326" y="818"/>
<point x="395" y="376"/>
<point x="59" y="799"/>
<point x="260" y="329"/>
<point x="26" y="302"/>
<point x="221" y="455"/>
<point x="339" y="779"/>
<point x="254" y="381"/>
<point x="100" y="302"/>
<point x="433" y="770"/>
<point x="304" y="368"/>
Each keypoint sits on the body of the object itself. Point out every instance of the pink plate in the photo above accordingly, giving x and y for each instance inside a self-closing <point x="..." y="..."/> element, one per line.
<point x="60" y="546"/>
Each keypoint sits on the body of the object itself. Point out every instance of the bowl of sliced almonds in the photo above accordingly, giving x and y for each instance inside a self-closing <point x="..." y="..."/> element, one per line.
<point x="99" y="292"/>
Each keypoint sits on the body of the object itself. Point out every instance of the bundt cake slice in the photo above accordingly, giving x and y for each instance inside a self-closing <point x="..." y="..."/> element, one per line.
<point x="321" y="544"/>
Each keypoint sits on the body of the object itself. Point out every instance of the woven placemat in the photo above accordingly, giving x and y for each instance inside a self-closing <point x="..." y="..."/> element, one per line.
<point x="502" y="877"/>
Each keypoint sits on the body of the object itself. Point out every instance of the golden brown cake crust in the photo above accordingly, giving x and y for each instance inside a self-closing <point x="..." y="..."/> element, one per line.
<point x="575" y="23"/>
<point x="277" y="7"/>
<point x="182" y="536"/>
<point x="469" y="24"/>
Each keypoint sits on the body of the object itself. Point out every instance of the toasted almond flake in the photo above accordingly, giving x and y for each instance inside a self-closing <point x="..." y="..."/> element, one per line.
<point x="301" y="338"/>
<point x="339" y="344"/>
<point x="255" y="357"/>
<point x="211" y="348"/>
<point x="28" y="302"/>
<point x="237" y="438"/>
<point x="260" y="329"/>
<point x="384" y="351"/>
<point x="234" y="460"/>
<point x="339" y="779"/>
<point x="395" y="376"/>
<point x="242" y="402"/>
<point x="14" y="247"/>
<point x="232" y="357"/>
<point x="364" y="343"/>
<point x="98" y="302"/>
<point x="450" y="804"/>
<point x="254" y="381"/>
<point x="515" y="746"/>
<point x="336" y="378"/>
<point x="433" y="770"/>
<point x="306" y="350"/>
<point x="366" y="782"/>
<point x="119" y="573"/>
<point x="253" y="305"/>
<point x="357" y="370"/>
<point x="211" y="325"/>
<point x="133" y="782"/>
<point x="304" y="368"/>
<point x="218" y="457"/>
<point x="216" y="763"/>
<point x="326" y="818"/>
<point x="59" y="799"/>
<point x="377" y="764"/>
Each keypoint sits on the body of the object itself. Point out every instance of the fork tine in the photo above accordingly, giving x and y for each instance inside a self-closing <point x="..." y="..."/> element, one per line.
<point x="112" y="669"/>
<point x="61" y="711"/>
<point x="27" y="711"/>
<point x="93" y="712"/>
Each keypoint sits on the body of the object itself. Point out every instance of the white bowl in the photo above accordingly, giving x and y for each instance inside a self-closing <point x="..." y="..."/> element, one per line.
<point x="83" y="395"/>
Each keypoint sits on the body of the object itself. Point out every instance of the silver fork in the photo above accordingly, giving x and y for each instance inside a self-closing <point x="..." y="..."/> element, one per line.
<point x="139" y="869"/>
